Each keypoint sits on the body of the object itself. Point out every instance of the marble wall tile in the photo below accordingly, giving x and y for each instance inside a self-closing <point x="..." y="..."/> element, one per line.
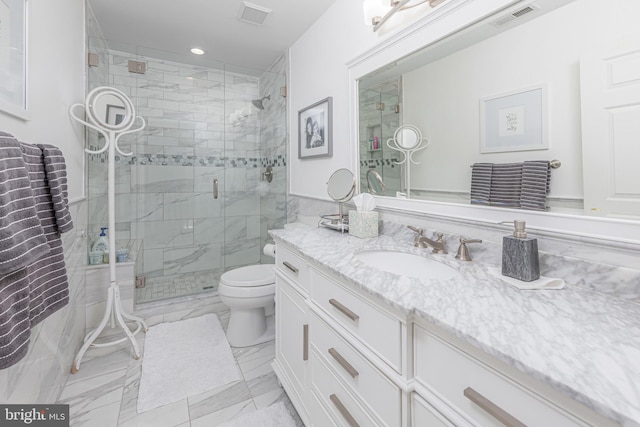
<point x="242" y="203"/>
<point x="208" y="230"/>
<point x="191" y="259"/>
<point x="150" y="207"/>
<point x="162" y="234"/>
<point x="154" y="179"/>
<point x="242" y="252"/>
<point x="205" y="206"/>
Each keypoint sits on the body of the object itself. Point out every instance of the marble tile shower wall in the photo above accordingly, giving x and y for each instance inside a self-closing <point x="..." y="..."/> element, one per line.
<point x="164" y="191"/>
<point x="273" y="146"/>
<point x="381" y="123"/>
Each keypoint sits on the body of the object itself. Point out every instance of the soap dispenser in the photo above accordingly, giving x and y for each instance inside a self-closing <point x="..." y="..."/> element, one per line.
<point x="102" y="242"/>
<point x="520" y="254"/>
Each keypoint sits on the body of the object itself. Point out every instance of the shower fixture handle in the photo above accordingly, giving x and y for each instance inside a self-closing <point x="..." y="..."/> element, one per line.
<point x="215" y="188"/>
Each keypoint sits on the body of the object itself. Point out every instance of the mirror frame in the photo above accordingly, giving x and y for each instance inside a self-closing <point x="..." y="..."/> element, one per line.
<point x="603" y="231"/>
<point x="349" y="195"/>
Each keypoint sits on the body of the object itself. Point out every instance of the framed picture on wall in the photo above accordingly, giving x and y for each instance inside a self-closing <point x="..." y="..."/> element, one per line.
<point x="13" y="58"/>
<point x="315" y="130"/>
<point x="514" y="121"/>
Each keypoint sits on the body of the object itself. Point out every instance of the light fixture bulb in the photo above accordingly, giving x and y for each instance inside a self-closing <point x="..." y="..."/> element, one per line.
<point x="197" y="51"/>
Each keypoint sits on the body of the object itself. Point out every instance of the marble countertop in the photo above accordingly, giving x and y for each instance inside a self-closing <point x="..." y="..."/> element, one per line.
<point x="580" y="342"/>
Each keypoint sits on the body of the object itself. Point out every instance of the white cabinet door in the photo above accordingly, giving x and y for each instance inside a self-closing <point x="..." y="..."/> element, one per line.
<point x="610" y="96"/>
<point x="292" y="340"/>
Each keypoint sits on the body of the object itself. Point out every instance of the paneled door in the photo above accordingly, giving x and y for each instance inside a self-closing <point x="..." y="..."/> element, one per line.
<point x="610" y="97"/>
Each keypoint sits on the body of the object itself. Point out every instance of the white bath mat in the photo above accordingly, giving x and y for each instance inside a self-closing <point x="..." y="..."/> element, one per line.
<point x="184" y="358"/>
<point x="275" y="415"/>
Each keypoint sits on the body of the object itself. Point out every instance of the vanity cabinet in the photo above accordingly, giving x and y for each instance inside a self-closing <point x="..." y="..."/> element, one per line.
<point x="292" y="328"/>
<point x="346" y="358"/>
<point x="481" y="391"/>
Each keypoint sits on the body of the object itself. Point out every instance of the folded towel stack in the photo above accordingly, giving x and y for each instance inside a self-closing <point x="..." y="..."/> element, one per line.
<point x="515" y="185"/>
<point x="33" y="213"/>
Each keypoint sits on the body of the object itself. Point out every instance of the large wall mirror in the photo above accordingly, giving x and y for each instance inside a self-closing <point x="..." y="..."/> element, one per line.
<point x="583" y="56"/>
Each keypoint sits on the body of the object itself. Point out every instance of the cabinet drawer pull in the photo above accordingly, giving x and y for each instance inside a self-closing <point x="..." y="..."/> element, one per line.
<point x="343" y="411"/>
<point x="342" y="361"/>
<point x="305" y="342"/>
<point x="215" y="188"/>
<point x="494" y="410"/>
<point x="350" y="314"/>
<point x="290" y="267"/>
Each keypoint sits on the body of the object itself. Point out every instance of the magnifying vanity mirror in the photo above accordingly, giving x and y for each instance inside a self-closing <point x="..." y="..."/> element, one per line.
<point x="450" y="88"/>
<point x="341" y="187"/>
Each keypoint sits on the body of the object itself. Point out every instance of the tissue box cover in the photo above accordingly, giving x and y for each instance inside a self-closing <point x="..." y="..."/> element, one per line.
<point x="363" y="224"/>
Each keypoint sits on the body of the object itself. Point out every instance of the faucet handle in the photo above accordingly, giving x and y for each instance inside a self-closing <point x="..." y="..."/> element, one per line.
<point x="463" y="251"/>
<point x="416" y="229"/>
<point x="417" y="242"/>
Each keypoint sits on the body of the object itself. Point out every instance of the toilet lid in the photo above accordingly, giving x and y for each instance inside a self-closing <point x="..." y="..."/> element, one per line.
<point x="251" y="275"/>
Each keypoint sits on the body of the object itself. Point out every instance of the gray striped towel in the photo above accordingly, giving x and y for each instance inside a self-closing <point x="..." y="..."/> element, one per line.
<point x="481" y="183"/>
<point x="56" y="174"/>
<point x="515" y="185"/>
<point x="49" y="287"/>
<point x="33" y="280"/>
<point x="21" y="235"/>
<point x="536" y="180"/>
<point x="506" y="181"/>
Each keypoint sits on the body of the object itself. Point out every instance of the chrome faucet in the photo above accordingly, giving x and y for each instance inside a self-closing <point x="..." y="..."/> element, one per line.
<point x="423" y="242"/>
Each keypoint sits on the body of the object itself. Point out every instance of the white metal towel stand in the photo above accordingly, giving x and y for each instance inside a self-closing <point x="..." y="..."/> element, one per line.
<point x="95" y="110"/>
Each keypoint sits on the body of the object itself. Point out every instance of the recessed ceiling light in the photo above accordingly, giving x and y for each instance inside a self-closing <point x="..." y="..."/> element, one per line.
<point x="197" y="51"/>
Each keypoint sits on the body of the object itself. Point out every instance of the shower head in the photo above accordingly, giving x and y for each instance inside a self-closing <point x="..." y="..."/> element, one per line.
<point x="258" y="102"/>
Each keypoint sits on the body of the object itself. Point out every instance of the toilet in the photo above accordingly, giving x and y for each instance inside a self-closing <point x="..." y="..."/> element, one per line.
<point x="249" y="292"/>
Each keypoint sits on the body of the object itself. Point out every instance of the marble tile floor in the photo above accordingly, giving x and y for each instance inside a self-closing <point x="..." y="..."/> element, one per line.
<point x="104" y="392"/>
<point x="159" y="288"/>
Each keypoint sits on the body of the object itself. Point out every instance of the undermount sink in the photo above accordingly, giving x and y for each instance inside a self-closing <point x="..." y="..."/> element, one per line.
<point x="406" y="264"/>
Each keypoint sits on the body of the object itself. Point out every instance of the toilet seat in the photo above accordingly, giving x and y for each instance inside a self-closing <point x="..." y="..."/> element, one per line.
<point x="249" y="276"/>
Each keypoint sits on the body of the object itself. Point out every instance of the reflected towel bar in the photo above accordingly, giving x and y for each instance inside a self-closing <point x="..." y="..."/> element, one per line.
<point x="554" y="164"/>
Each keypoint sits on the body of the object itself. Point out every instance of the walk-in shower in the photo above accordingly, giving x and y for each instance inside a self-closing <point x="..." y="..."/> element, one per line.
<point x="187" y="233"/>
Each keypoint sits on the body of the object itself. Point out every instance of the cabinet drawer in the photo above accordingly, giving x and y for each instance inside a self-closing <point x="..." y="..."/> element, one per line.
<point x="382" y="396"/>
<point x="341" y="404"/>
<point x="292" y="266"/>
<point x="423" y="414"/>
<point x="370" y="324"/>
<point x="318" y="414"/>
<point x="477" y="391"/>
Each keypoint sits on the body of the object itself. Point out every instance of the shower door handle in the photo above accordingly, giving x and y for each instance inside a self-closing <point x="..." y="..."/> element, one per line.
<point x="215" y="188"/>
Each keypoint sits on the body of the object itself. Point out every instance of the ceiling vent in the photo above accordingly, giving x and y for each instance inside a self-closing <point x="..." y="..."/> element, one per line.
<point x="514" y="15"/>
<point x="253" y="13"/>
